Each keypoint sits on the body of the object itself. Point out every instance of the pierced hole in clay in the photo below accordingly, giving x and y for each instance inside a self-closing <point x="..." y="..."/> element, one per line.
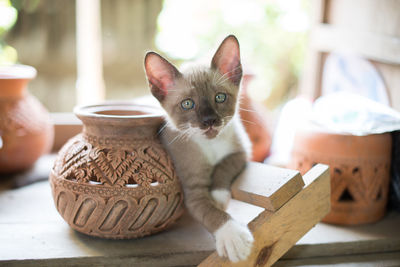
<point x="355" y="170"/>
<point x="375" y="170"/>
<point x="131" y="185"/>
<point x="346" y="196"/>
<point x="154" y="183"/>
<point x="71" y="177"/>
<point x="337" y="171"/>
<point x="131" y="181"/>
<point x="93" y="180"/>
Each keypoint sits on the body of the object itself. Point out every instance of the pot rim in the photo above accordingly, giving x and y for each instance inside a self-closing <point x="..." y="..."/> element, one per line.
<point x="92" y="111"/>
<point x="17" y="71"/>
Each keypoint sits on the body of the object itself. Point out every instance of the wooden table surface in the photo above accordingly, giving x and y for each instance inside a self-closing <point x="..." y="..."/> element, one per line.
<point x="32" y="233"/>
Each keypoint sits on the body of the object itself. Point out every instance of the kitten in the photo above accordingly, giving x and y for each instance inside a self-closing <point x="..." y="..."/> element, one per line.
<point x="206" y="139"/>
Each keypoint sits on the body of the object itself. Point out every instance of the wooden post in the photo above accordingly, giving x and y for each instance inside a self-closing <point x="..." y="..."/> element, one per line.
<point x="90" y="83"/>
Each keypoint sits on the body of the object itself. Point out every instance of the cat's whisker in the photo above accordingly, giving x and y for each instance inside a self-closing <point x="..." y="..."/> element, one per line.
<point x="215" y="73"/>
<point x="243" y="120"/>
<point x="190" y="133"/>
<point x="222" y="77"/>
<point x="229" y="77"/>
<point x="163" y="128"/>
<point x="228" y="117"/>
<point x="227" y="74"/>
<point x="173" y="140"/>
<point x="251" y="122"/>
<point x="179" y="136"/>
<point x="248" y="110"/>
<point x="185" y="134"/>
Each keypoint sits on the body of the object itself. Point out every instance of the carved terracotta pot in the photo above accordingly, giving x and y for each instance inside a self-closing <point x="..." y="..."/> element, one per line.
<point x="26" y="131"/>
<point x="115" y="180"/>
<point x="359" y="169"/>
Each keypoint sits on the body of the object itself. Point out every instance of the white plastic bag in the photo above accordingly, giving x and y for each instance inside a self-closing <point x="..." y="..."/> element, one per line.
<point x="349" y="113"/>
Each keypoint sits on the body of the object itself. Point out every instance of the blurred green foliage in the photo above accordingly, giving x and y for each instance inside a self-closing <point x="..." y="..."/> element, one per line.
<point x="8" y="17"/>
<point x="272" y="35"/>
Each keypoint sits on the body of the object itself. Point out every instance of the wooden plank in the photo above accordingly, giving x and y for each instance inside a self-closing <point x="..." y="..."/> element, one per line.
<point x="326" y="240"/>
<point x="326" y="38"/>
<point x="266" y="186"/>
<point x="66" y="125"/>
<point x="310" y="80"/>
<point x="371" y="260"/>
<point x="276" y="232"/>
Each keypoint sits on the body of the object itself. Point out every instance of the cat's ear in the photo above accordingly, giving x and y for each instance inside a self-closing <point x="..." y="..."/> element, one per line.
<point x="227" y="59"/>
<point x="160" y="73"/>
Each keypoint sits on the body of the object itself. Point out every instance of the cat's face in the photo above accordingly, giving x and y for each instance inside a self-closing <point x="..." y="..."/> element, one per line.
<point x="201" y="101"/>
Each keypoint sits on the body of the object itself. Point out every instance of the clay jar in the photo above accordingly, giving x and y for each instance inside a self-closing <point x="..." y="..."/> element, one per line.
<point x="115" y="180"/>
<point x="26" y="132"/>
<point x="359" y="169"/>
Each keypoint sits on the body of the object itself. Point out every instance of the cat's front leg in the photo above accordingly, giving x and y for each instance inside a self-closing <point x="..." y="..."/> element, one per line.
<point x="223" y="175"/>
<point x="233" y="240"/>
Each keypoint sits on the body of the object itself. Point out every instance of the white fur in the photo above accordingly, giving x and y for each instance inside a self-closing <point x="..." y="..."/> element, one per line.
<point x="222" y="145"/>
<point x="233" y="241"/>
<point x="221" y="197"/>
<point x="217" y="148"/>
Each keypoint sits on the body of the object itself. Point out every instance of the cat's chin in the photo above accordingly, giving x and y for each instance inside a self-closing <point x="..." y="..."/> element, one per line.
<point x="211" y="133"/>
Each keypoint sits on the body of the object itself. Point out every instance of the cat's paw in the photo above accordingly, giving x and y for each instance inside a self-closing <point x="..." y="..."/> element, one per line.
<point x="221" y="198"/>
<point x="233" y="241"/>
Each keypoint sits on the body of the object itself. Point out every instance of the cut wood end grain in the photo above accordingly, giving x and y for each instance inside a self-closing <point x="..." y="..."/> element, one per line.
<point x="266" y="186"/>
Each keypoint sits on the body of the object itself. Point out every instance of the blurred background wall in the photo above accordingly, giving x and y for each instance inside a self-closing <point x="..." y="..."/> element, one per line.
<point x="273" y="37"/>
<point x="44" y="37"/>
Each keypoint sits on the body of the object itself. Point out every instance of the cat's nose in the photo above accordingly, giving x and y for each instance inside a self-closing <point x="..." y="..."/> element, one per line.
<point x="209" y="121"/>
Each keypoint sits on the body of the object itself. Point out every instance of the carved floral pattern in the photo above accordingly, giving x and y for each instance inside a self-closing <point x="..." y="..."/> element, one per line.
<point x="141" y="165"/>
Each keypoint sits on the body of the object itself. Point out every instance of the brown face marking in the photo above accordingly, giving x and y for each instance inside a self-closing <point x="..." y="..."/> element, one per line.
<point x="208" y="116"/>
<point x="200" y="86"/>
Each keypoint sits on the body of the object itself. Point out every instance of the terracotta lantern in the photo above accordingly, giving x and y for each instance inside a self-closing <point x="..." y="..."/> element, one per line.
<point x="115" y="180"/>
<point x="26" y="131"/>
<point x="359" y="169"/>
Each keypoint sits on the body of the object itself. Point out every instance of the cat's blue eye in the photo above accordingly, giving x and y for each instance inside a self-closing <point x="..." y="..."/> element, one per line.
<point x="187" y="104"/>
<point x="220" y="98"/>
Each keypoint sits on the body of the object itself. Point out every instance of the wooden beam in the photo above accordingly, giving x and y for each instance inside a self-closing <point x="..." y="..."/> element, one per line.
<point x="66" y="125"/>
<point x="276" y="232"/>
<point x="326" y="38"/>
